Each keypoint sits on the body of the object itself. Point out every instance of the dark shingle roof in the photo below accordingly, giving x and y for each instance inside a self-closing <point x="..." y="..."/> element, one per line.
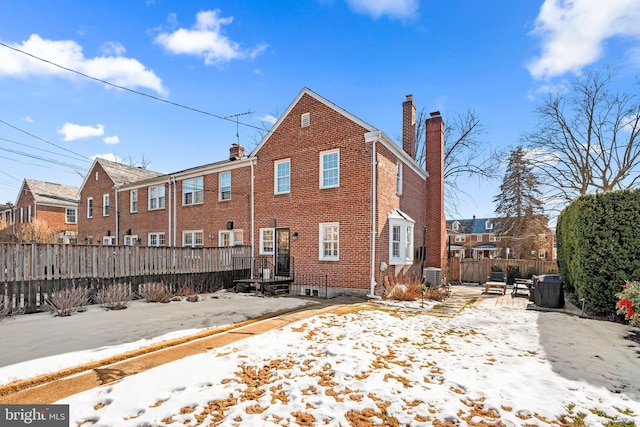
<point x="52" y="193"/>
<point x="122" y="174"/>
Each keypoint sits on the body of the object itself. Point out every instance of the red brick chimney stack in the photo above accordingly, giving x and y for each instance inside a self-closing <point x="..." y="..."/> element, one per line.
<point x="409" y="126"/>
<point x="236" y="152"/>
<point x="435" y="219"/>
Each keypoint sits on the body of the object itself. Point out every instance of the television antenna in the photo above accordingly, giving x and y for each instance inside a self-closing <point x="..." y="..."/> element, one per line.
<point x="238" y="122"/>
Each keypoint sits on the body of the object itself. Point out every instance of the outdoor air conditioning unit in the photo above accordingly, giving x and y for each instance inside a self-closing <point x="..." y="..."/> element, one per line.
<point x="432" y="275"/>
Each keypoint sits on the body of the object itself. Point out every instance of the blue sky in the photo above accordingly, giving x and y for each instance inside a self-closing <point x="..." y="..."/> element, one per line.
<point x="233" y="57"/>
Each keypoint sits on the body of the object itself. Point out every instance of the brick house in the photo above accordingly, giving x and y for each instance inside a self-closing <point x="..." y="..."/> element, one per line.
<point x="323" y="192"/>
<point x="98" y="207"/>
<point x="7" y="223"/>
<point x="478" y="238"/>
<point x="53" y="206"/>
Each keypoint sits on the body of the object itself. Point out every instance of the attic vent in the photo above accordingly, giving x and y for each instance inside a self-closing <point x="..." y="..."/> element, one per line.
<point x="305" y="120"/>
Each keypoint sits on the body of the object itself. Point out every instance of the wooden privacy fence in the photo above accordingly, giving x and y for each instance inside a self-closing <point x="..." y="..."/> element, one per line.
<point x="28" y="272"/>
<point x="471" y="270"/>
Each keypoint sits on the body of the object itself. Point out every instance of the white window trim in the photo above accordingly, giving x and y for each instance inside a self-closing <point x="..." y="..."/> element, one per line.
<point x="262" y="241"/>
<point x="455" y="226"/>
<point x="157" y="236"/>
<point x="494" y="238"/>
<point x="479" y="238"/>
<point x="275" y="176"/>
<point x="195" y="190"/>
<point x="133" y="201"/>
<point x="321" y="255"/>
<point x="305" y="120"/>
<point x="193" y="237"/>
<point x="29" y="213"/>
<point x="405" y="256"/>
<point x="220" y="192"/>
<point x="89" y="207"/>
<point x="157" y="198"/>
<point x="130" y="240"/>
<point x="321" y="168"/>
<point x="105" y="205"/>
<point x="66" y="215"/>
<point x="109" y="240"/>
<point x="21" y="215"/>
<point x="232" y="236"/>
<point x="399" y="182"/>
<point x="460" y="238"/>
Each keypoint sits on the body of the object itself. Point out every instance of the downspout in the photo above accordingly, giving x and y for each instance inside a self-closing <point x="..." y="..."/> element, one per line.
<point x="253" y="218"/>
<point x="175" y="213"/>
<point x="117" y="217"/>
<point x="169" y="214"/>
<point x="374" y="208"/>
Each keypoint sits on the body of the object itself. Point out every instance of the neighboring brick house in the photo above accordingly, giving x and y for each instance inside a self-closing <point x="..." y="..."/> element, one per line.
<point x="98" y="206"/>
<point x="308" y="191"/>
<point x="53" y="206"/>
<point x="477" y="238"/>
<point x="7" y="223"/>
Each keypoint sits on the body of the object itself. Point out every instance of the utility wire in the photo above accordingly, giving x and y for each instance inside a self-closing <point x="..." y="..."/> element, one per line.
<point x="44" y="159"/>
<point x="155" y="98"/>
<point x="35" y="148"/>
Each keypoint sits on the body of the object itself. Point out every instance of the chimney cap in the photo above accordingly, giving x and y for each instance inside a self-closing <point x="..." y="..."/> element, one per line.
<point x="435" y="114"/>
<point x="410" y="97"/>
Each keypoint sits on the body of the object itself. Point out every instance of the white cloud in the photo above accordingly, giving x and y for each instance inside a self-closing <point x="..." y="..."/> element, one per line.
<point x="119" y="70"/>
<point x="109" y="156"/>
<point x="269" y="118"/>
<point x="113" y="48"/>
<point x="111" y="140"/>
<point x="206" y="40"/>
<point x="554" y="89"/>
<point x="27" y="119"/>
<point x="72" y="132"/>
<point x="378" y="8"/>
<point x="573" y="32"/>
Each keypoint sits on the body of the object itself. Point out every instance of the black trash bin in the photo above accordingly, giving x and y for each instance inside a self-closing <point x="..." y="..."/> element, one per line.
<point x="548" y="291"/>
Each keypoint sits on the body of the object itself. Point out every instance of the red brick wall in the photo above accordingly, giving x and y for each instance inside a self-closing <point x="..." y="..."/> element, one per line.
<point x="99" y="225"/>
<point x="435" y="219"/>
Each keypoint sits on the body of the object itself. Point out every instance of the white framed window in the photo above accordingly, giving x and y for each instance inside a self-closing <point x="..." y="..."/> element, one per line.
<point x="193" y="238"/>
<point x="267" y="242"/>
<point x="305" y="120"/>
<point x="105" y="205"/>
<point x="400" y="240"/>
<point x="192" y="191"/>
<point x="460" y="238"/>
<point x="479" y="238"/>
<point x="455" y="226"/>
<point x="542" y="253"/>
<point x="97" y="175"/>
<point x="330" y="169"/>
<point x="282" y="176"/>
<point x="156" y="197"/>
<point x="133" y="201"/>
<point x="71" y="216"/>
<point x="489" y="225"/>
<point x="399" y="177"/>
<point x="109" y="240"/>
<point x="130" y="240"/>
<point x="21" y="215"/>
<point x="329" y="249"/>
<point x="231" y="238"/>
<point x="224" y="182"/>
<point x="29" y="213"/>
<point x="494" y="238"/>
<point x="156" y="239"/>
<point x="89" y="207"/>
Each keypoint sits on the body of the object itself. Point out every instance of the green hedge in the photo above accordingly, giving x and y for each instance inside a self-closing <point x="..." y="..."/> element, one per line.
<point x="598" y="243"/>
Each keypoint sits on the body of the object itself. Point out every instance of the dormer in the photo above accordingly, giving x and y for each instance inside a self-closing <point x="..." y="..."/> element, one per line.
<point x="488" y="225"/>
<point x="455" y="226"/>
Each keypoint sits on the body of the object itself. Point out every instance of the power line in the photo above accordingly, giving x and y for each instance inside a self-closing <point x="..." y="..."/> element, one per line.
<point x="155" y="98"/>
<point x="44" y="159"/>
<point x="35" y="148"/>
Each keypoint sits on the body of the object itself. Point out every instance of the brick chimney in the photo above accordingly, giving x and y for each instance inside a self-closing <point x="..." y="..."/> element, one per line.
<point x="435" y="219"/>
<point x="409" y="126"/>
<point x="236" y="152"/>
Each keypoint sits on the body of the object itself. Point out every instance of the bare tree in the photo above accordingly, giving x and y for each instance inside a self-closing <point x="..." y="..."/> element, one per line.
<point x="37" y="231"/>
<point x="587" y="139"/>
<point x="466" y="154"/>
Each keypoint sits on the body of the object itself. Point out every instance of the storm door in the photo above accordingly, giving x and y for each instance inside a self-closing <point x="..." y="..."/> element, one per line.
<point x="282" y="252"/>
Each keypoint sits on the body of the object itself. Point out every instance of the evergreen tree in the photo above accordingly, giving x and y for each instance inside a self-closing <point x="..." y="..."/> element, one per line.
<point x="519" y="208"/>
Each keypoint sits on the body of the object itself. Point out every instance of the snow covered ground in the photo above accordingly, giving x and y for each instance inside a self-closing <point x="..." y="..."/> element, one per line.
<point x="382" y="365"/>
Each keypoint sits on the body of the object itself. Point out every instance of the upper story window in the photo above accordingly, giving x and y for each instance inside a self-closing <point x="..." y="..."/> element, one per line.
<point x="494" y="238"/>
<point x="156" y="197"/>
<point x="330" y="169"/>
<point x="455" y="226"/>
<point x="460" y="238"/>
<point x="479" y="238"/>
<point x="21" y="215"/>
<point x="89" y="207"/>
<point x="282" y="176"/>
<point x="29" y="213"/>
<point x="224" y="179"/>
<point x="71" y="216"/>
<point x="489" y="225"/>
<point x="133" y="201"/>
<point x="192" y="191"/>
<point x="329" y="241"/>
<point x="305" y="120"/>
<point x="105" y="205"/>
<point x="399" y="177"/>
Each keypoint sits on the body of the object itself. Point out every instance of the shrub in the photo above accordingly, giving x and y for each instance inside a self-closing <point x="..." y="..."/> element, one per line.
<point x="114" y="297"/>
<point x="156" y="292"/>
<point x="185" y="291"/>
<point x="66" y="301"/>
<point x="436" y="293"/>
<point x="410" y="292"/>
<point x="629" y="302"/>
<point x="7" y="309"/>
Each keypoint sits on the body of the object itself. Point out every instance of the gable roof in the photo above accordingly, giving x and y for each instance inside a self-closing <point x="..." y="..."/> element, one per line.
<point x="120" y="174"/>
<point x="50" y="193"/>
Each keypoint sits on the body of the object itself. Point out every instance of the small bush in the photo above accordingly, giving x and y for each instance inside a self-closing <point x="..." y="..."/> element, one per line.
<point x="185" y="291"/>
<point x="192" y="298"/>
<point x="7" y="309"/>
<point x="156" y="292"/>
<point x="629" y="302"/>
<point x="410" y="292"/>
<point x="114" y="297"/>
<point x="65" y="302"/>
<point x="436" y="293"/>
